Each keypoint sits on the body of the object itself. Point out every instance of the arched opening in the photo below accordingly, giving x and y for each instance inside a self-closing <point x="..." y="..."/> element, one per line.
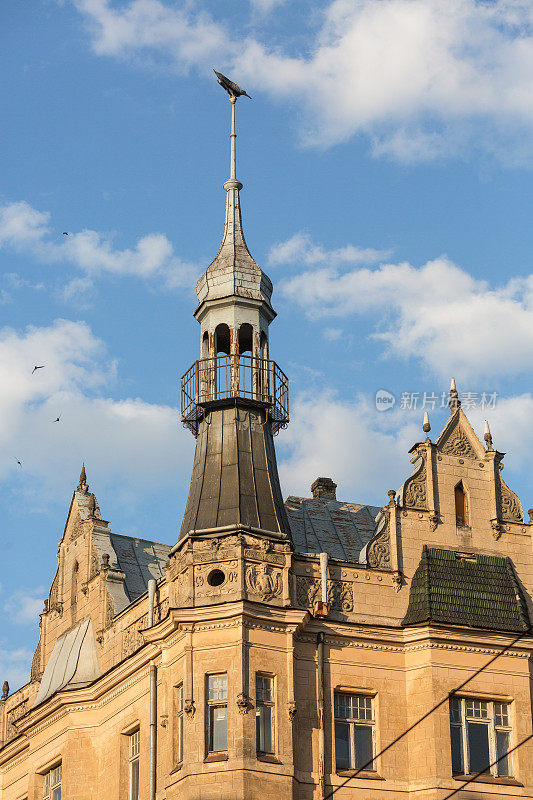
<point x="222" y="339"/>
<point x="246" y="333"/>
<point x="461" y="506"/>
<point x="264" y="345"/>
<point x="263" y="352"/>
<point x="205" y="345"/>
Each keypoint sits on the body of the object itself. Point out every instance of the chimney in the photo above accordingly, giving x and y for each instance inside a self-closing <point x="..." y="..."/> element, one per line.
<point x="324" y="489"/>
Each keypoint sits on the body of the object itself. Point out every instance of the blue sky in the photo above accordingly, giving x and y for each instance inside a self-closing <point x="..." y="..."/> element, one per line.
<point x="386" y="159"/>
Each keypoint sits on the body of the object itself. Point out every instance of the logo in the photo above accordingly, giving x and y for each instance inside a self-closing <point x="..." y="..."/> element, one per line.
<point x="384" y="400"/>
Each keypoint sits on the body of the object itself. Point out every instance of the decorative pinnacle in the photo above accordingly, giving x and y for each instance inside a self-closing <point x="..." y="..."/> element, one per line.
<point x="5" y="691"/>
<point x="487" y="436"/>
<point x="83" y="485"/>
<point x="426" y="427"/>
<point x="454" y="401"/>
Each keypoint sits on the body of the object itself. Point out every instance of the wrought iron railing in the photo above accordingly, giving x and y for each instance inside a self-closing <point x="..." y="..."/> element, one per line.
<point x="226" y="377"/>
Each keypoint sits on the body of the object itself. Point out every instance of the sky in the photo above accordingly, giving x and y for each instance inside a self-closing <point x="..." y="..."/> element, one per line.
<point x="386" y="159"/>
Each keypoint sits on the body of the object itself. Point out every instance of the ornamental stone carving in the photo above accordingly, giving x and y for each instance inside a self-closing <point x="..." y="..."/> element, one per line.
<point x="458" y="445"/>
<point x="133" y="639"/>
<point x="258" y="554"/>
<point x="415" y="495"/>
<point x="511" y="508"/>
<point x="340" y="593"/>
<point x="378" y="553"/>
<point x="262" y="581"/>
<point x="12" y="718"/>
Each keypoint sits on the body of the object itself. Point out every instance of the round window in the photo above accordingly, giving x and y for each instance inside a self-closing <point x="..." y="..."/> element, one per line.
<point x="216" y="578"/>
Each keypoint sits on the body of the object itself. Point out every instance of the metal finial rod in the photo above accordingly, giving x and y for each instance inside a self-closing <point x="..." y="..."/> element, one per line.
<point x="233" y="136"/>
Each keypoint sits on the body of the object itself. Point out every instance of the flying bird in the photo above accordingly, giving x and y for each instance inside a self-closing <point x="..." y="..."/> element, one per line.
<point x="36" y="368"/>
<point x="65" y="233"/>
<point x="18" y="462"/>
<point x="231" y="88"/>
<point x="57" y="420"/>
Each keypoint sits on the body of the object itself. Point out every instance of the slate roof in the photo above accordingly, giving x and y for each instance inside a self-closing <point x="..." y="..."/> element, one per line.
<point x="138" y="559"/>
<point x="330" y="526"/>
<point x="480" y="591"/>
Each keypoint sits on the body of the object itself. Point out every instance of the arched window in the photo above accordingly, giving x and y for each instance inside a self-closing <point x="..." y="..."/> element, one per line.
<point x="222" y="339"/>
<point x="460" y="505"/>
<point x="264" y="345"/>
<point x="246" y="333"/>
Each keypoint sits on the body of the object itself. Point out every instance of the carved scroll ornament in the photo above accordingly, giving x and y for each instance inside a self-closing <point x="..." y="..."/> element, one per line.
<point x="415" y="495"/>
<point x="458" y="445"/>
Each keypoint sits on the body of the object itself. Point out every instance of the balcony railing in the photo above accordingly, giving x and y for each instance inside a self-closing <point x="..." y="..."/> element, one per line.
<point x="226" y="377"/>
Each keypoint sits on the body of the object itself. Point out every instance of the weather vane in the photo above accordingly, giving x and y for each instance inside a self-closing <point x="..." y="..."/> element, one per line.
<point x="234" y="92"/>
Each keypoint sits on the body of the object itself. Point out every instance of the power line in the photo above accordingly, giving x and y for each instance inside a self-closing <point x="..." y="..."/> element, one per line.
<point x="431" y="711"/>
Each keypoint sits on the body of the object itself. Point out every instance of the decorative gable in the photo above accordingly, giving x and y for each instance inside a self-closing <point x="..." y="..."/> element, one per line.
<point x="459" y="439"/>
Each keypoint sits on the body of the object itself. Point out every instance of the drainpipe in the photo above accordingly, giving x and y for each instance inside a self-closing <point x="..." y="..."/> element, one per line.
<point x="321" y="726"/>
<point x="153" y="700"/>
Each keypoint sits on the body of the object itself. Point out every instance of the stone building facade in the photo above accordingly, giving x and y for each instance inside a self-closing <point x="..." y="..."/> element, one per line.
<point x="294" y="649"/>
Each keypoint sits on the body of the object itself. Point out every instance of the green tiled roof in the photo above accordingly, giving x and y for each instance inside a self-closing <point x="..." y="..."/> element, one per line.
<point x="476" y="590"/>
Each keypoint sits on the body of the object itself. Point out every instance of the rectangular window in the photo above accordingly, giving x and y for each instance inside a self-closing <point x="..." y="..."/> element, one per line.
<point x="480" y="736"/>
<point x="354" y="731"/>
<point x="179" y="723"/>
<point x="217" y="713"/>
<point x="264" y="713"/>
<point x="134" y="750"/>
<point x="52" y="784"/>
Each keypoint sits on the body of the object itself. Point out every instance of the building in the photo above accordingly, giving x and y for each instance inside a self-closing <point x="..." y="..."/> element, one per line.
<point x="304" y="648"/>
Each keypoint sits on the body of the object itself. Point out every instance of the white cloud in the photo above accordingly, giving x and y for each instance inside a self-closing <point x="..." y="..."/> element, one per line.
<point x="437" y="313"/>
<point x="421" y="78"/>
<point x="266" y="6"/>
<point x="129" y="439"/>
<point x="26" y="230"/>
<point x="301" y="249"/>
<point x="14" y="665"/>
<point x="332" y="334"/>
<point x="25" y="605"/>
<point x="365" y="452"/>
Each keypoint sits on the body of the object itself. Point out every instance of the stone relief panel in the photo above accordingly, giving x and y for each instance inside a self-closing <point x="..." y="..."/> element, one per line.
<point x="132" y="637"/>
<point x="415" y="493"/>
<point x="12" y="716"/>
<point x="378" y="552"/>
<point x="458" y="444"/>
<point x="340" y="593"/>
<point x="264" y="581"/>
<point x="510" y="505"/>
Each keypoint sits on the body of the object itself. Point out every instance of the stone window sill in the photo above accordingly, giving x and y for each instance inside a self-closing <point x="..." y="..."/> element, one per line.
<point x="177" y="768"/>
<point x="269" y="758"/>
<point x="215" y="757"/>
<point x="364" y="774"/>
<point x="488" y="779"/>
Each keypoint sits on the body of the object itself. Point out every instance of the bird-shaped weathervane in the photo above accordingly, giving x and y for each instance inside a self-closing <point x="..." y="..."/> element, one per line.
<point x="231" y="88"/>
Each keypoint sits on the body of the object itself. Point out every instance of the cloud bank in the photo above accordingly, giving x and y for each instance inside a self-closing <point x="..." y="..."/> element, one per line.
<point x="420" y="78"/>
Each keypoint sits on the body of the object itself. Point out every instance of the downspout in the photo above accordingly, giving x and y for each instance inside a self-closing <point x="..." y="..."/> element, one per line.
<point x="321" y="725"/>
<point x="153" y="700"/>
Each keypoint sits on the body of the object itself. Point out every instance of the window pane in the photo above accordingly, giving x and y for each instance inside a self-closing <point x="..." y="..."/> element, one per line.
<point x="363" y="746"/>
<point x="477" y="709"/>
<point x="342" y="705"/>
<point x="457" y="749"/>
<point x="502" y="747"/>
<point x="218" y="729"/>
<point x="180" y="738"/>
<point x="501" y="715"/>
<point x="342" y="745"/>
<point x="263" y="719"/>
<point x="455" y="709"/>
<point x="218" y="687"/>
<point x="134" y="779"/>
<point x="362" y="707"/>
<point x="57" y="794"/>
<point x="478" y="745"/>
<point x="264" y="689"/>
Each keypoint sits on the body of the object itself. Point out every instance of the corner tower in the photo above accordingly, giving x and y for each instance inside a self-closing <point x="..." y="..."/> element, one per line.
<point x="234" y="398"/>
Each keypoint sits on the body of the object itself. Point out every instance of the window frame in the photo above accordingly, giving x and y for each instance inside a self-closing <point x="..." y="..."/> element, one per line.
<point x="49" y="788"/>
<point x="260" y="702"/>
<point x="134" y="758"/>
<point x="211" y="704"/>
<point x="364" y="699"/>
<point x="469" y="712"/>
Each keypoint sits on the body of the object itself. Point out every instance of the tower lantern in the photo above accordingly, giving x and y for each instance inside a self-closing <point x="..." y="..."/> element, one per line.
<point x="234" y="398"/>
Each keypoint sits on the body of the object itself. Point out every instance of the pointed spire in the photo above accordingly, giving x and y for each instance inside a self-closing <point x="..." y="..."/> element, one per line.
<point x="83" y="486"/>
<point x="233" y="271"/>
<point x="487" y="436"/>
<point x="426" y="427"/>
<point x="454" y="401"/>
